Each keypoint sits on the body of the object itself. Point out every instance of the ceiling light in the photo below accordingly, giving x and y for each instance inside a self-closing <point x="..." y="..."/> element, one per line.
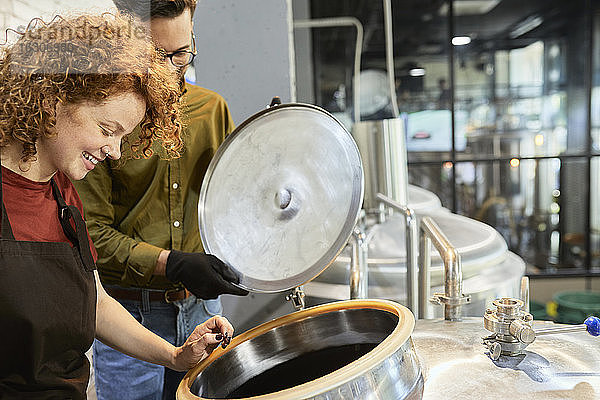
<point x="417" y="72"/>
<point x="469" y="7"/>
<point x="461" y="40"/>
<point x="525" y="26"/>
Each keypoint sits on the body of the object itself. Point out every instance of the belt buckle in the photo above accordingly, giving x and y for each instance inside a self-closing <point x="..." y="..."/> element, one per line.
<point x="167" y="292"/>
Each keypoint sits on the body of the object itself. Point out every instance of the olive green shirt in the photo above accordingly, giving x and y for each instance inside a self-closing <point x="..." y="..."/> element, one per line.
<point x="138" y="208"/>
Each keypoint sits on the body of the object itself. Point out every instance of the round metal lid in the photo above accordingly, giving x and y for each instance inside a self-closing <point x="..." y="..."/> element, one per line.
<point x="281" y="196"/>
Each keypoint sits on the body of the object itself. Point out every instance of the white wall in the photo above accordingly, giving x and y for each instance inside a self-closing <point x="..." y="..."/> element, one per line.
<point x="244" y="52"/>
<point x="15" y="13"/>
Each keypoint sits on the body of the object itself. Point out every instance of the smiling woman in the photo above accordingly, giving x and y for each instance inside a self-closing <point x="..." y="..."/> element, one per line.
<point x="88" y="132"/>
<point x="88" y="58"/>
<point x="71" y="91"/>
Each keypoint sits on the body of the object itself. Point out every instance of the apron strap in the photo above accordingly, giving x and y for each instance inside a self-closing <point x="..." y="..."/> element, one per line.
<point x="6" y="231"/>
<point x="78" y="235"/>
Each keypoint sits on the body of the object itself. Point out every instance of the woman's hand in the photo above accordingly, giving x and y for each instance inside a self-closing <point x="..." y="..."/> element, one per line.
<point x="205" y="338"/>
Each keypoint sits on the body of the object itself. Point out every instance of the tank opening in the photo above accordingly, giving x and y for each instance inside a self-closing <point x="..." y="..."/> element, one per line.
<point x="302" y="369"/>
<point x="295" y="353"/>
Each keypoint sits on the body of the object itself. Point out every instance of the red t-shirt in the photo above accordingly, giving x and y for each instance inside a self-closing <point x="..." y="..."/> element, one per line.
<point x="32" y="209"/>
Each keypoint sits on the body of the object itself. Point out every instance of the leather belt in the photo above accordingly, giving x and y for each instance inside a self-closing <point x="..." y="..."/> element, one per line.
<point x="135" y="294"/>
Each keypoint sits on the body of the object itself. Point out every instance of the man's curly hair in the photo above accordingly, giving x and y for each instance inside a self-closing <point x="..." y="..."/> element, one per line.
<point x="85" y="58"/>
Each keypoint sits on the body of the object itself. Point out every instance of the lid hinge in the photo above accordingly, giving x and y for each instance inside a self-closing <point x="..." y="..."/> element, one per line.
<point x="297" y="298"/>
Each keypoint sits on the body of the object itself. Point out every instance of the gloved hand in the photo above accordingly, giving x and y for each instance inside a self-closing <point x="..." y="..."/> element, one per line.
<point x="202" y="274"/>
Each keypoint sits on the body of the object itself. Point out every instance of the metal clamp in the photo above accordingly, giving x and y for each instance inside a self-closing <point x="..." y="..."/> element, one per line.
<point x="275" y="101"/>
<point x="442" y="299"/>
<point x="297" y="298"/>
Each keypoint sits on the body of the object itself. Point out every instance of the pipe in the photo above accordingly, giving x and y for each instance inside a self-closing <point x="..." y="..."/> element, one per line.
<point x="389" y="54"/>
<point x="337" y="22"/>
<point x="412" y="249"/>
<point x="424" y="277"/>
<point x="291" y="50"/>
<point x="525" y="293"/>
<point x="359" y="266"/>
<point x="453" y="298"/>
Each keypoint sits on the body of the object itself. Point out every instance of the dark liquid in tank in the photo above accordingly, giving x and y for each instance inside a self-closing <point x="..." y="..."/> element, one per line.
<point x="302" y="369"/>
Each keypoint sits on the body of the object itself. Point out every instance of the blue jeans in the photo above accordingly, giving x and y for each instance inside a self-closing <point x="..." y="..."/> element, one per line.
<point x="120" y="377"/>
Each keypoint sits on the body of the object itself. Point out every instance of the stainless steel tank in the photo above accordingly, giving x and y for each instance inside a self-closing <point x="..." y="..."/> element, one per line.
<point x="358" y="349"/>
<point x="489" y="270"/>
<point x="423" y="201"/>
<point x="383" y="151"/>
<point x="456" y="365"/>
<point x="368" y="349"/>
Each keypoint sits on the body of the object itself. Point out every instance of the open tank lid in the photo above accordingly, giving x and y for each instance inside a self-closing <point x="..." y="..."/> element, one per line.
<point x="281" y="196"/>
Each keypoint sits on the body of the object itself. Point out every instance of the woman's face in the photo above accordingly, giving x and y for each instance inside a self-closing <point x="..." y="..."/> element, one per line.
<point x="86" y="132"/>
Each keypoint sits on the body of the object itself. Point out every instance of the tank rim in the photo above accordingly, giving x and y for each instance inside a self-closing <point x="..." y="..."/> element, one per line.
<point x="392" y="343"/>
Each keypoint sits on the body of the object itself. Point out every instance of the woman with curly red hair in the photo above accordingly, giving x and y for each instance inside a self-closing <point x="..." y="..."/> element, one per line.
<point x="70" y="92"/>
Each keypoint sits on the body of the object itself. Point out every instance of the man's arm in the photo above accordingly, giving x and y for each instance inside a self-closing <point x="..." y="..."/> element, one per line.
<point x="138" y="259"/>
<point x="204" y="275"/>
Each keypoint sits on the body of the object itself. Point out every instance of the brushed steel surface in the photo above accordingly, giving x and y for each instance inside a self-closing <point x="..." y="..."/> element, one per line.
<point x="281" y="196"/>
<point x="389" y="371"/>
<point x="456" y="366"/>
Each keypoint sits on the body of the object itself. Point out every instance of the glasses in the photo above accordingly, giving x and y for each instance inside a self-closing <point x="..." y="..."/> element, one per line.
<point x="181" y="58"/>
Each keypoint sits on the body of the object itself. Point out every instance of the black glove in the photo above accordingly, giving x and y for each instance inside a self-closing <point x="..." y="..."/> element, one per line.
<point x="202" y="274"/>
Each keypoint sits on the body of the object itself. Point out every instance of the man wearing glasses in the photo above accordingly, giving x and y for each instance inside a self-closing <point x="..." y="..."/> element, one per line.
<point x="142" y="216"/>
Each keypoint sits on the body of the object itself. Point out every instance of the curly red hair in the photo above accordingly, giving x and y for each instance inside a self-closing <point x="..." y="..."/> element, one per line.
<point x="86" y="58"/>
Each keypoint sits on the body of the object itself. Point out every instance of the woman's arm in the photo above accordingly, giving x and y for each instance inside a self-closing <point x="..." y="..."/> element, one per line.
<point x="118" y="329"/>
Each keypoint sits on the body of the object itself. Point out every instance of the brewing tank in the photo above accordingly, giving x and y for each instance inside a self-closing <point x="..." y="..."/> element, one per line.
<point x="383" y="152"/>
<point x="357" y="349"/>
<point x="373" y="349"/>
<point x="489" y="269"/>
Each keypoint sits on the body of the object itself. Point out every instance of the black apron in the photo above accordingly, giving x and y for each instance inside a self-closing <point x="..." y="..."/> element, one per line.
<point x="47" y="311"/>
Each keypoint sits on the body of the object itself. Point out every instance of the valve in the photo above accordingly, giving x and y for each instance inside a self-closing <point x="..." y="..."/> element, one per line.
<point x="512" y="329"/>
